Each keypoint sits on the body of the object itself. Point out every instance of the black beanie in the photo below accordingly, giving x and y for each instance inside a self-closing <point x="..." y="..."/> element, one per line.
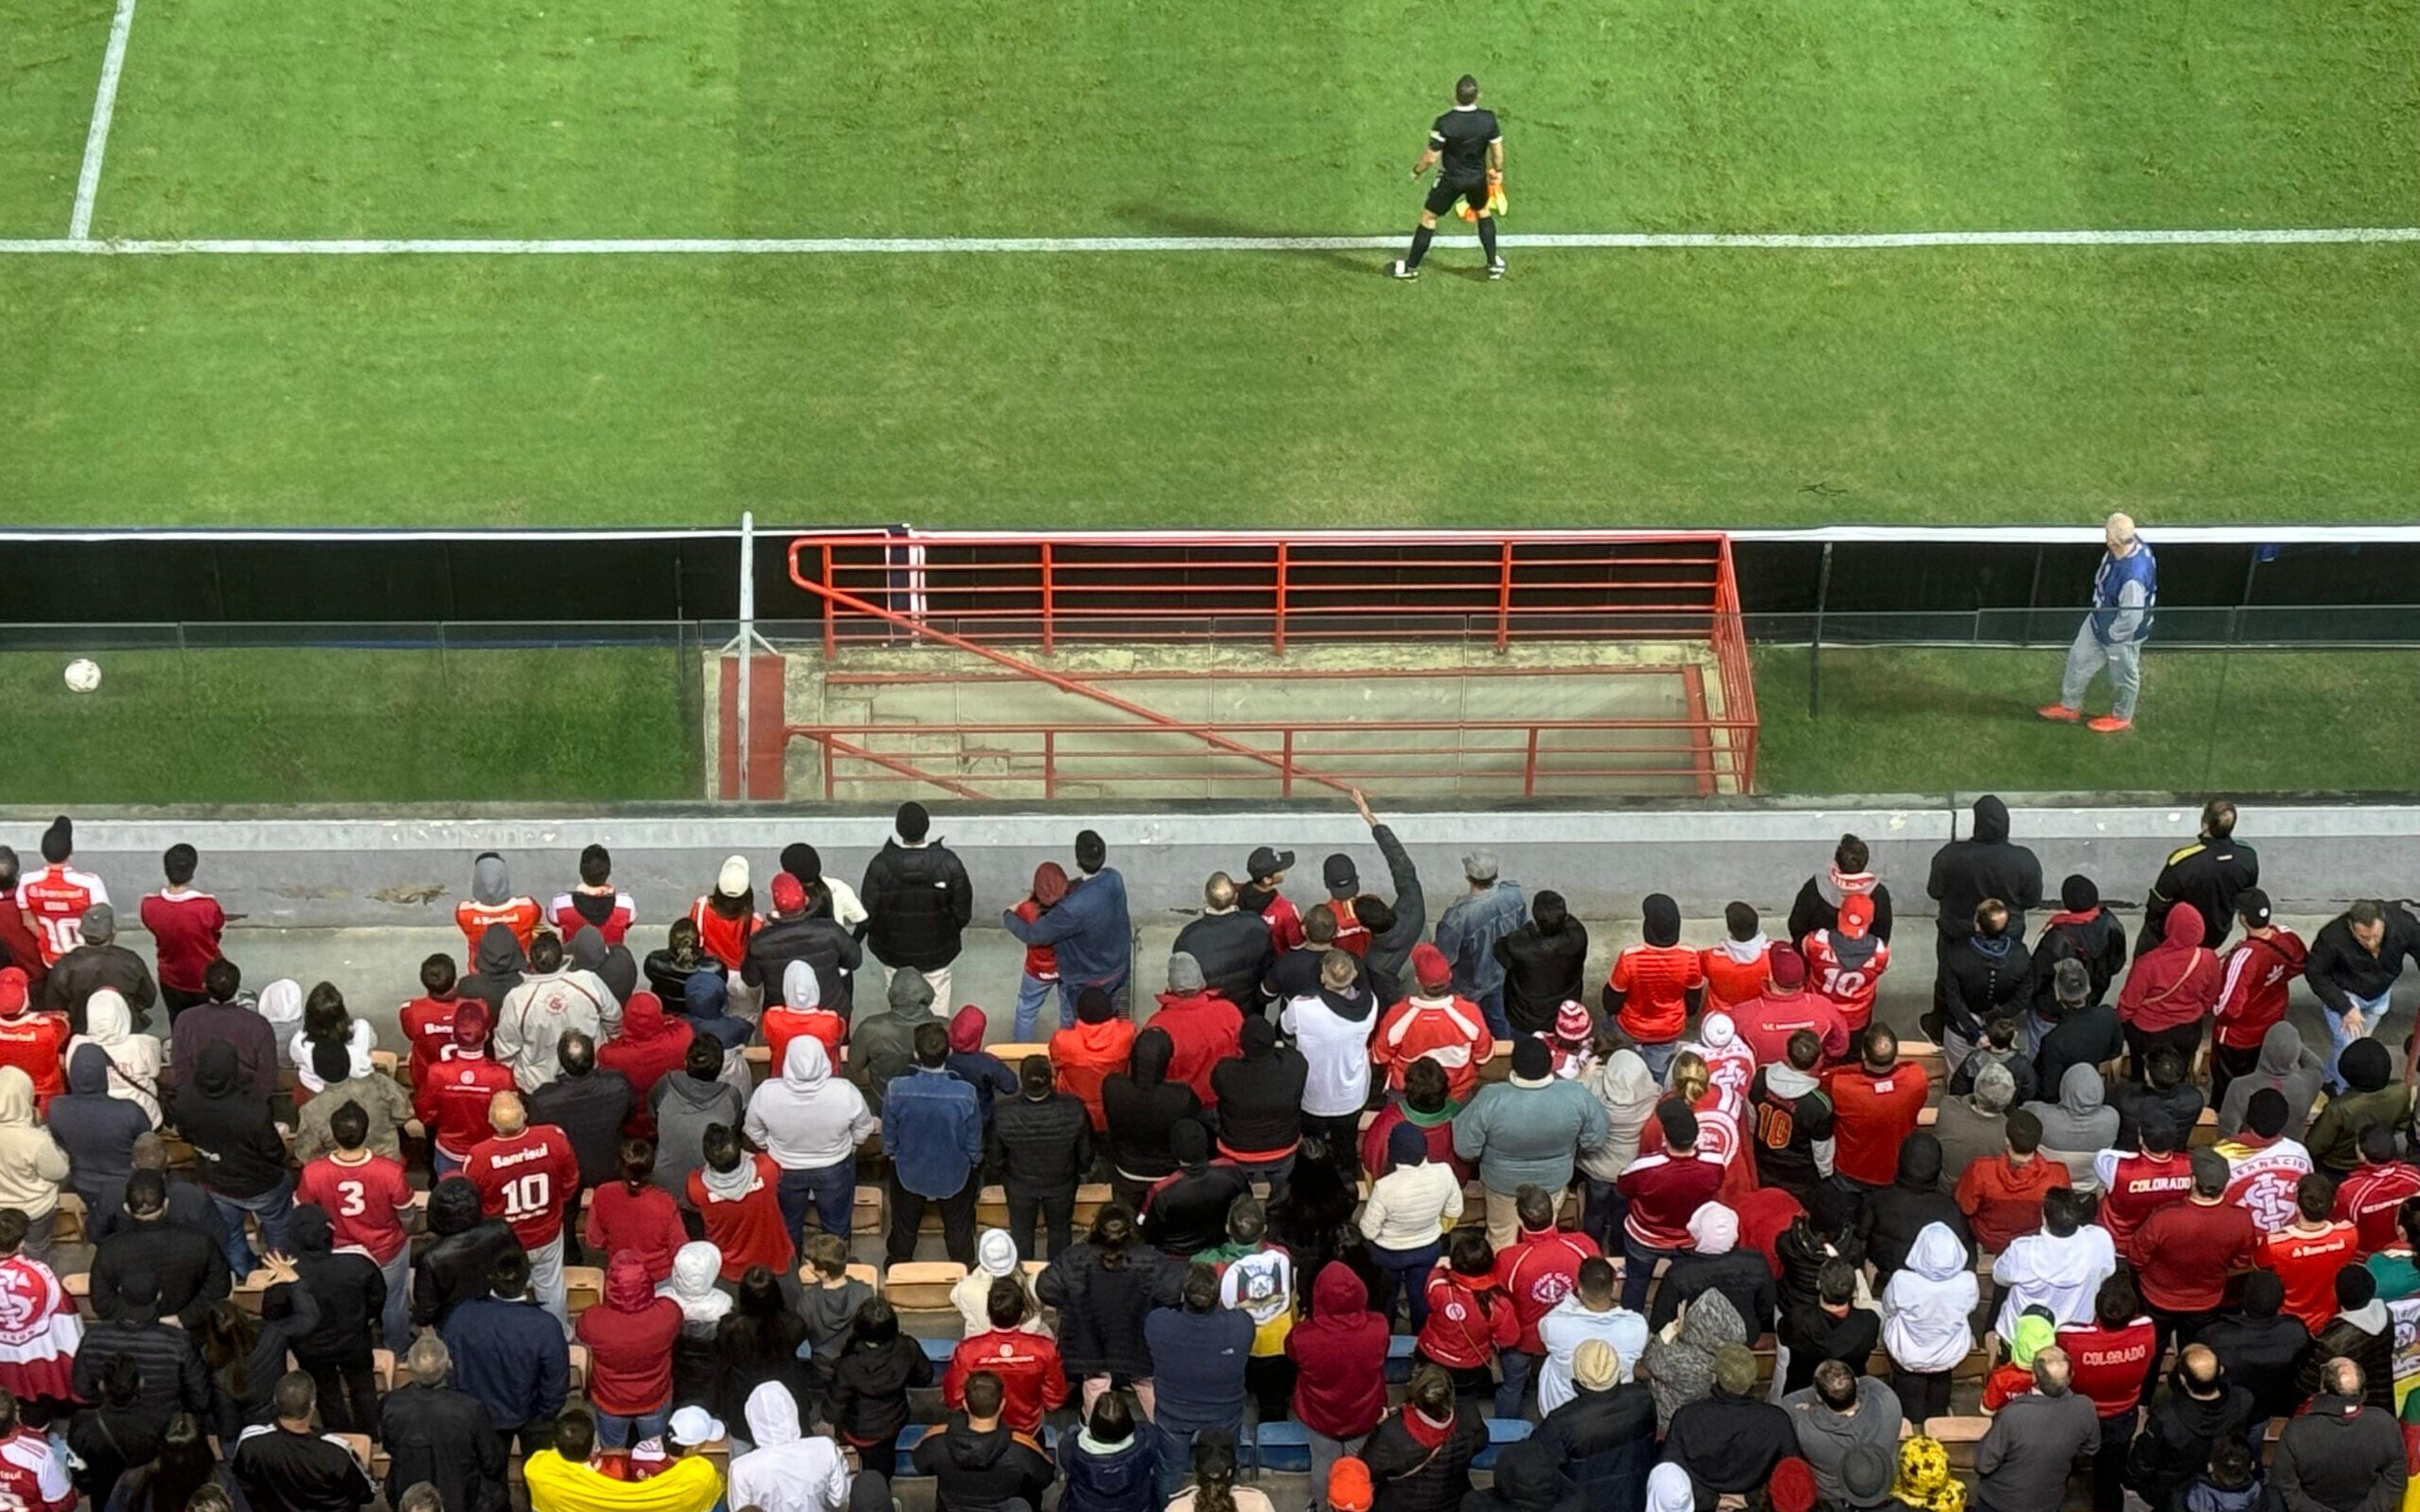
<point x="1662" y="918"/>
<point x="913" y="823"/>
<point x="2078" y="895"/>
<point x="1679" y="1123"/>
<point x="1531" y="1060"/>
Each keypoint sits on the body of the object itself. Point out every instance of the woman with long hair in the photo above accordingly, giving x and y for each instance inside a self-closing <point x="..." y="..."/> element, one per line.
<point x="1104" y="1286"/>
<point x="246" y="1355"/>
<point x="1106" y="1465"/>
<point x="869" y="1395"/>
<point x="183" y="1467"/>
<point x="759" y="1342"/>
<point x="1214" y="1487"/>
<point x="1419" y="1457"/>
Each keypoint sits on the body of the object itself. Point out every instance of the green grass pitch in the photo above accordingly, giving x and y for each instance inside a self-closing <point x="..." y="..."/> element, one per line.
<point x="1594" y="387"/>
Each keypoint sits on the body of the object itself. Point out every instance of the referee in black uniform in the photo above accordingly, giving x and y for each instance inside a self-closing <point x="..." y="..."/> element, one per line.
<point x="1467" y="151"/>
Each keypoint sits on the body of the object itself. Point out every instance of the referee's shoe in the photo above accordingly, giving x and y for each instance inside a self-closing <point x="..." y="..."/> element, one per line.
<point x="1467" y="149"/>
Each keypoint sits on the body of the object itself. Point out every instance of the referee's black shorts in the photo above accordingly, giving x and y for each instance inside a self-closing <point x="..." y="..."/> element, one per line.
<point x="1441" y="197"/>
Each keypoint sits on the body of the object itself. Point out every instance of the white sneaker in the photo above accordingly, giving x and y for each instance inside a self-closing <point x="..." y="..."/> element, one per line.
<point x="1399" y="268"/>
<point x="1495" y="268"/>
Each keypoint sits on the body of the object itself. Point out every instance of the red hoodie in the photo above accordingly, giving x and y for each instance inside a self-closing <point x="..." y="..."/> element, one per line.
<point x="451" y="1101"/>
<point x="1469" y="1319"/>
<point x="783" y="1025"/>
<point x="31" y="1042"/>
<point x="1032" y="1378"/>
<point x="2174" y="982"/>
<point x="647" y="1226"/>
<point x="629" y="1337"/>
<point x="1340" y="1353"/>
<point x="1206" y="1030"/>
<point x="651" y="1045"/>
<point x="1086" y="1055"/>
<point x="2254" y="977"/>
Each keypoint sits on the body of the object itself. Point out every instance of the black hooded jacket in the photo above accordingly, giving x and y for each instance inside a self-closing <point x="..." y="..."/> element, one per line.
<point x="349" y="1287"/>
<point x="2093" y="937"/>
<point x="1043" y="1145"/>
<point x="454" y="1269"/>
<point x="1235" y="953"/>
<point x="1606" y="1441"/>
<point x="982" y="1471"/>
<point x="870" y="1382"/>
<point x="1984" y="865"/>
<point x="1410" y="1478"/>
<point x="496" y="967"/>
<point x="1140" y="1107"/>
<point x="1898" y="1212"/>
<point x="2265" y="1354"/>
<point x="2175" y="1443"/>
<point x="1544" y="969"/>
<point x="813" y="938"/>
<point x="920" y="901"/>
<point x="190" y="1267"/>
<point x="96" y="1130"/>
<point x="1259" y="1095"/>
<point x="231" y="1130"/>
<point x="1187" y="1213"/>
<point x="1528" y="1478"/>
<point x="1982" y="978"/>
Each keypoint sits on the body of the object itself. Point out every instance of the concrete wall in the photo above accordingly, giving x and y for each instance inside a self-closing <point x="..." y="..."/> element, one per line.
<point x="367" y="872"/>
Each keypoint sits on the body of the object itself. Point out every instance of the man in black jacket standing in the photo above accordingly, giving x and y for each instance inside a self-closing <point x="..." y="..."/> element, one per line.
<point x="796" y="931"/>
<point x="977" y="1463"/>
<point x="2354" y="961"/>
<point x="1984" y="976"/>
<point x="435" y="1434"/>
<point x="1545" y="966"/>
<point x="1232" y="945"/>
<point x="919" y="898"/>
<point x="1986" y="864"/>
<point x="590" y="1106"/>
<point x="100" y="962"/>
<point x="2210" y="873"/>
<point x="291" y="1468"/>
<point x="188" y="1267"/>
<point x="173" y="1378"/>
<point x="242" y="1157"/>
<point x="1041" y="1146"/>
<point x="2201" y="1408"/>
<point x="1260" y="1104"/>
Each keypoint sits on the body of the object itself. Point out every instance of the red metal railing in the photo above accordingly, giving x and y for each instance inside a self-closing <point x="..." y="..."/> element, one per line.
<point x="1482" y="756"/>
<point x="981" y="593"/>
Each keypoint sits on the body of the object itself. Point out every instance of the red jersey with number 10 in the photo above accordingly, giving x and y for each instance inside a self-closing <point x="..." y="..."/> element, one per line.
<point x="1849" y="989"/>
<point x="526" y="1180"/>
<point x="56" y="898"/>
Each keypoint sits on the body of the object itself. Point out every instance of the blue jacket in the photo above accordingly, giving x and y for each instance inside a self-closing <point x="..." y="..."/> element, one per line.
<point x="1468" y="930"/>
<point x="510" y="1357"/>
<point x="932" y="1129"/>
<point x="1119" y="1482"/>
<point x="2114" y="621"/>
<point x="1197" y="1366"/>
<point x="1089" y="929"/>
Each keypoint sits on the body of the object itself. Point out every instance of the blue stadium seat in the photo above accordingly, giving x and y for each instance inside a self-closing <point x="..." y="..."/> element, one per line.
<point x="1399" y="1359"/>
<point x="939" y="1351"/>
<point x="1501" y="1431"/>
<point x="1280" y="1446"/>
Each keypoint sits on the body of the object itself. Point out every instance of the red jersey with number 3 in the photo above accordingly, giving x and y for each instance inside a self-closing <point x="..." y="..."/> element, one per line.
<point x="56" y="898"/>
<point x="1851" y="990"/>
<point x="364" y="1202"/>
<point x="526" y="1180"/>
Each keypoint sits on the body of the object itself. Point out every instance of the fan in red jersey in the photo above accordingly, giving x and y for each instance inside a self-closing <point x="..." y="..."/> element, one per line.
<point x="38" y="1326"/>
<point x="55" y="899"/>
<point x="595" y="903"/>
<point x="452" y="1100"/>
<point x="1847" y="964"/>
<point x="526" y="1176"/>
<point x="492" y="901"/>
<point x="2372" y="1195"/>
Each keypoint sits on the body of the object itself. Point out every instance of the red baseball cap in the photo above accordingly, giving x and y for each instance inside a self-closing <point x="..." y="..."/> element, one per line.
<point x="1785" y="965"/>
<point x="1430" y="967"/>
<point x="1857" y="915"/>
<point x="789" y="894"/>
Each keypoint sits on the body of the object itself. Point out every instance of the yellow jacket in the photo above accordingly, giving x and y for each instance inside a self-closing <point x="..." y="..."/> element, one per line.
<point x="555" y="1485"/>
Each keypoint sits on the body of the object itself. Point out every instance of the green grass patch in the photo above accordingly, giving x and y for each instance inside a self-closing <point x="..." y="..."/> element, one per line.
<point x="1903" y="719"/>
<point x="50" y="65"/>
<point x="325" y="725"/>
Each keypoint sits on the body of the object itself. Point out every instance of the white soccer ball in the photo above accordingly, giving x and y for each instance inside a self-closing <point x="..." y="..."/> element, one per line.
<point x="82" y="675"/>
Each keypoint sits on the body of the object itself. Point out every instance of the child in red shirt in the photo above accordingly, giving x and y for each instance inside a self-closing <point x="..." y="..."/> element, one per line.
<point x="1656" y="986"/>
<point x="734" y="1193"/>
<point x="2015" y="1376"/>
<point x="1470" y="1316"/>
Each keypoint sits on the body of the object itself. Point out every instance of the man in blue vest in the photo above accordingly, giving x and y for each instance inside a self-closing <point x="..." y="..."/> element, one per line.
<point x="2124" y="593"/>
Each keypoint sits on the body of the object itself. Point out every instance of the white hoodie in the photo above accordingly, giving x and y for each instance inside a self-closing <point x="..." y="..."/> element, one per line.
<point x="786" y="1472"/>
<point x="807" y="1118"/>
<point x="2040" y="1270"/>
<point x="136" y="1056"/>
<point x="1927" y="1303"/>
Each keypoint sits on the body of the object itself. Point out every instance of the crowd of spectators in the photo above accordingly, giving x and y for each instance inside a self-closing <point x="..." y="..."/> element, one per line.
<point x="1707" y="1229"/>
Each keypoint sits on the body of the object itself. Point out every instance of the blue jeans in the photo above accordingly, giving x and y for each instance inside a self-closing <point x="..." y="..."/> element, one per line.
<point x="1276" y="1172"/>
<point x="1516" y="1367"/>
<point x="830" y="1190"/>
<point x="621" y="1432"/>
<point x="1602" y="1212"/>
<point x="271" y="1207"/>
<point x="1491" y="1006"/>
<point x="2373" y="1016"/>
<point x="1659" y="1058"/>
<point x="1405" y="1268"/>
<point x="397" y="1321"/>
<point x="1638" y="1271"/>
<point x="441" y="1164"/>
<point x="1176" y="1452"/>
<point x="1031" y="992"/>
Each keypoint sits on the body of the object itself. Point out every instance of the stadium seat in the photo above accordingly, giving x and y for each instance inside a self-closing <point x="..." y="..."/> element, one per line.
<point x="1091" y="1198"/>
<point x="1501" y="1431"/>
<point x="578" y="1366"/>
<point x="991" y="1208"/>
<point x="1279" y="1447"/>
<point x="69" y="1226"/>
<point x="1399" y="1359"/>
<point x="1959" y="1436"/>
<point x="1013" y="1053"/>
<point x="383" y="1367"/>
<point x="358" y="1443"/>
<point x="583" y="1286"/>
<point x="387" y="1063"/>
<point x="78" y="1284"/>
<point x="938" y="1351"/>
<point x="867" y="1214"/>
<point x="922" y="1286"/>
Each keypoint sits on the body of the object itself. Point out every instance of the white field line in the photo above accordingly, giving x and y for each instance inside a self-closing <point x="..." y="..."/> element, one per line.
<point x="105" y="105"/>
<point x="82" y="245"/>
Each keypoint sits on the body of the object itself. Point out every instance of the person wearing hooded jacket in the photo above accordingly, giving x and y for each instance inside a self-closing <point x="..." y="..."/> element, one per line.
<point x="651" y="1046"/>
<point x="1203" y="1027"/>
<point x="2361" y="1331"/>
<point x="1332" y="1025"/>
<point x="1142" y="1108"/>
<point x="135" y="1058"/>
<point x="242" y="1156"/>
<point x="1545" y="964"/>
<point x="497" y="961"/>
<point x="1185" y="1213"/>
<point x="884" y="1046"/>
<point x="352" y="1291"/>
<point x="1419" y="1457"/>
<point x="2296" y="1073"/>
<point x="455" y="1269"/>
<point x="1679" y="1361"/>
<point x="793" y="936"/>
<point x="2059" y="1269"/>
<point x="1731" y="1439"/>
<point x="801" y="1012"/>
<point x="2079" y="1125"/>
<point x="1984" y="974"/>
<point x="1260" y="1104"/>
<point x="1986" y="864"/>
<point x="1656" y="986"/>
<point x="1915" y="1200"/>
<point x="978" y="1462"/>
<point x="1339" y="1354"/>
<point x="1432" y="1024"/>
<point x="1528" y="1478"/>
<point x="2082" y="931"/>
<point x="1107" y="1466"/>
<point x="2170" y="991"/>
<point x="1851" y="874"/>
<point x="1099" y="1046"/>
<point x="2370" y="1096"/>
<point x="812" y="1123"/>
<point x="553" y="998"/>
<point x="1927" y="1310"/>
<point x="1527" y="1129"/>
<point x="630" y="1336"/>
<point x="1090" y="936"/>
<point x="96" y="1130"/>
<point x="686" y="1106"/>
<point x="2202" y="1406"/>
<point x="698" y="1365"/>
<point x="786" y="1471"/>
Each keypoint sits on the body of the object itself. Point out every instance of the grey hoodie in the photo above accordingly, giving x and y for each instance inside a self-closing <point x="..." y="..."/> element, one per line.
<point x="806" y="1118"/>
<point x="2079" y="1125"/>
<point x="684" y="1108"/>
<point x="883" y="1047"/>
<point x="2285" y="1065"/>
<point x="1682" y="1371"/>
<point x="490" y="883"/>
<point x="1623" y="1088"/>
<point x="1825" y="1437"/>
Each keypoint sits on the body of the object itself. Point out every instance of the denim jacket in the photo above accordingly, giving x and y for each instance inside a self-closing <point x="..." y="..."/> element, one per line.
<point x="932" y="1129"/>
<point x="1468" y="930"/>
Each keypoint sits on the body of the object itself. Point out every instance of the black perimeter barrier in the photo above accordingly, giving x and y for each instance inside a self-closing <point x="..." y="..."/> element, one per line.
<point x="338" y="578"/>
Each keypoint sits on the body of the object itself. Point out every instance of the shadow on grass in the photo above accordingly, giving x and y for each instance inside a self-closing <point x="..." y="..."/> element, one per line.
<point x="1160" y="222"/>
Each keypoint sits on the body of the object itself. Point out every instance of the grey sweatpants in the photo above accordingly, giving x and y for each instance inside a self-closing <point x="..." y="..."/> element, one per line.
<point x="2085" y="660"/>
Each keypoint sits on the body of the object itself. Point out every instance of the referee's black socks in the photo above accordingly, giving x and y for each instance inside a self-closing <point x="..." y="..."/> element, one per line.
<point x="1487" y="236"/>
<point x="1421" y="235"/>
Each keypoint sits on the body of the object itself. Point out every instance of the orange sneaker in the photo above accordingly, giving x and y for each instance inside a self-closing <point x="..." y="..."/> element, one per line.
<point x="2059" y="712"/>
<point x="2108" y="724"/>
